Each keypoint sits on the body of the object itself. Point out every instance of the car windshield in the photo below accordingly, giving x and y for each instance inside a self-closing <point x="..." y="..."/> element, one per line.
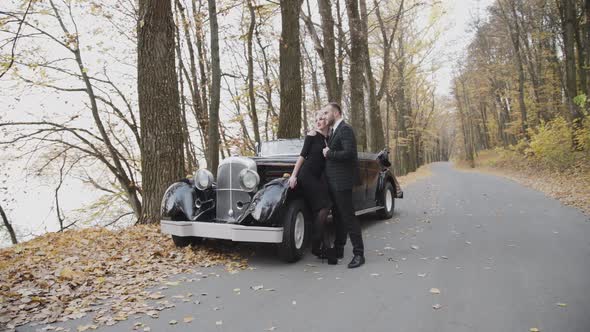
<point x="281" y="147"/>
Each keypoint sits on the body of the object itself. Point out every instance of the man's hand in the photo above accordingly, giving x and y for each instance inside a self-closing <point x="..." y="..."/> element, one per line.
<point x="326" y="149"/>
<point x="292" y="182"/>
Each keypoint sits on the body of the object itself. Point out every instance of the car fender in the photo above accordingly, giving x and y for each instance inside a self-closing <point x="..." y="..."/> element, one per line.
<point x="384" y="177"/>
<point x="268" y="201"/>
<point x="177" y="202"/>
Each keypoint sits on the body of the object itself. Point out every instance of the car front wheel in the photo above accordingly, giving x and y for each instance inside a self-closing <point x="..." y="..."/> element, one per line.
<point x="388" y="201"/>
<point x="296" y="231"/>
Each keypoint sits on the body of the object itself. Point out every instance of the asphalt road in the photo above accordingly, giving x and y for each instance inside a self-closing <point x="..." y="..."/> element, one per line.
<point x="504" y="258"/>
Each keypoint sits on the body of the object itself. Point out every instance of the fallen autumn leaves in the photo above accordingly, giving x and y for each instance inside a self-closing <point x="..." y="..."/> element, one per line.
<point x="63" y="276"/>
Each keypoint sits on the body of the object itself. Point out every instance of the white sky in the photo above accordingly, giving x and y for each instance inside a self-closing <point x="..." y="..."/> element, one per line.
<point x="452" y="44"/>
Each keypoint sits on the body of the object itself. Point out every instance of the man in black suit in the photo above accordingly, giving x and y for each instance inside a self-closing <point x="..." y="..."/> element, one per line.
<point x="342" y="172"/>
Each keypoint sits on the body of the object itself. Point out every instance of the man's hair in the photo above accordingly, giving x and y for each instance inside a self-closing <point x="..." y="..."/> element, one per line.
<point x="336" y="106"/>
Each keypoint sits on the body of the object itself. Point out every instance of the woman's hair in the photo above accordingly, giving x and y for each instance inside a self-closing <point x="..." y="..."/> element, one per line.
<point x="318" y="113"/>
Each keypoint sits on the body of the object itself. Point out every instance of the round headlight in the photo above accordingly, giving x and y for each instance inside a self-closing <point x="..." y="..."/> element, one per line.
<point x="203" y="179"/>
<point x="249" y="179"/>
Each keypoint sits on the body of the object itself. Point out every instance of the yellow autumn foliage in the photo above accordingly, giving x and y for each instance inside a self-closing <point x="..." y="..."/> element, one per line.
<point x="552" y="144"/>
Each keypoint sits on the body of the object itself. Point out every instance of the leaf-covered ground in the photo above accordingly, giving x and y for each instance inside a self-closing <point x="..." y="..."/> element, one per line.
<point x="62" y="276"/>
<point x="570" y="186"/>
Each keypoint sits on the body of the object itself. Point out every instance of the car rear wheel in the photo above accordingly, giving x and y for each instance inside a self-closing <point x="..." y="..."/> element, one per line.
<point x="296" y="231"/>
<point x="388" y="201"/>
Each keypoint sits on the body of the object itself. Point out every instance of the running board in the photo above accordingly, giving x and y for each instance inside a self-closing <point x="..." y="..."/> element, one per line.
<point x="373" y="209"/>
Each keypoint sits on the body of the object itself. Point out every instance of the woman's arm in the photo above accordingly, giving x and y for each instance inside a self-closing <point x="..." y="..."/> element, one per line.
<point x="293" y="178"/>
<point x="304" y="153"/>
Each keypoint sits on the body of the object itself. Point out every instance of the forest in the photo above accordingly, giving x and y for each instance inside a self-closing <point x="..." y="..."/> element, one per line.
<point x="523" y="86"/>
<point x="125" y="97"/>
<point x="132" y="96"/>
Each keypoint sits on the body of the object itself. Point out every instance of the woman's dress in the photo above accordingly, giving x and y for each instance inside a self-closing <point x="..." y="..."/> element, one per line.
<point x="311" y="175"/>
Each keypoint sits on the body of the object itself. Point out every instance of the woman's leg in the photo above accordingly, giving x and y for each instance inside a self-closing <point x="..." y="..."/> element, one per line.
<point x="328" y="252"/>
<point x="320" y="224"/>
<point x="319" y="232"/>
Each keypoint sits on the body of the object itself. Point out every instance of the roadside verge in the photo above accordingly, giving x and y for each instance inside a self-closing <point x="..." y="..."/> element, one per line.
<point x="570" y="186"/>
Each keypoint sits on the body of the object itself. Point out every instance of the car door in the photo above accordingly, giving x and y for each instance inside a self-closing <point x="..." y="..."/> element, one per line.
<point x="359" y="191"/>
<point x="373" y="171"/>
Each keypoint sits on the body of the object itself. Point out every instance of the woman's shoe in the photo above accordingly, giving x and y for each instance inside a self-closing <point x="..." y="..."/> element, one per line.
<point x="331" y="256"/>
<point x="316" y="249"/>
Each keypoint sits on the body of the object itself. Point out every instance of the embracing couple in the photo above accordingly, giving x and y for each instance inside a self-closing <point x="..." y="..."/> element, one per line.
<point x="326" y="170"/>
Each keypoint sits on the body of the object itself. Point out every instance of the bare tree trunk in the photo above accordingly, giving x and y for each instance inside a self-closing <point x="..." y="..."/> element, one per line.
<point x="375" y="126"/>
<point x="329" y="51"/>
<point x="126" y="180"/>
<point x="484" y="117"/>
<point x="387" y="45"/>
<point x="199" y="104"/>
<point x="341" y="46"/>
<point x="303" y="95"/>
<point x="191" y="159"/>
<point x="581" y="50"/>
<point x="58" y="211"/>
<point x="403" y="110"/>
<point x="203" y="61"/>
<point x="223" y="142"/>
<point x="215" y="90"/>
<point x="568" y="14"/>
<point x="357" y="114"/>
<point x="514" y="29"/>
<point x="8" y="226"/>
<point x="162" y="159"/>
<point x="586" y="41"/>
<point x="464" y="127"/>
<point x="316" y="89"/>
<point x="290" y="72"/>
<point x="267" y="84"/>
<point x="247" y="140"/>
<point x="532" y="60"/>
<point x="251" y="94"/>
<point x="314" y="78"/>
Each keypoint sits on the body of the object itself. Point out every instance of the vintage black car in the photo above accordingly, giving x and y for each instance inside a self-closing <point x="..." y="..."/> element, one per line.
<point x="251" y="201"/>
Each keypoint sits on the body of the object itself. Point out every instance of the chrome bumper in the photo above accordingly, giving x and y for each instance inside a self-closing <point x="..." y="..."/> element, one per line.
<point x="232" y="232"/>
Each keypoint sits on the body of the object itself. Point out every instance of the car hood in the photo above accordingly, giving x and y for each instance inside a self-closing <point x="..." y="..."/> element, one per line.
<point x="272" y="160"/>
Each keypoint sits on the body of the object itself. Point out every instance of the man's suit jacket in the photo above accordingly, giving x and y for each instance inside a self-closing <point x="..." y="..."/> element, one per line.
<point x="342" y="166"/>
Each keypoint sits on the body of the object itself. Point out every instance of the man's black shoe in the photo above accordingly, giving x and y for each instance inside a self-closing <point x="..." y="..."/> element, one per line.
<point x="356" y="261"/>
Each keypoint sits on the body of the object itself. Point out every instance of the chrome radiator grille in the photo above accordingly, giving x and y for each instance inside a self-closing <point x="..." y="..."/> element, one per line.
<point x="232" y="200"/>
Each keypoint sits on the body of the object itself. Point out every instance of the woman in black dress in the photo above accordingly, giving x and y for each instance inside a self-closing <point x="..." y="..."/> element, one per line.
<point x="309" y="174"/>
